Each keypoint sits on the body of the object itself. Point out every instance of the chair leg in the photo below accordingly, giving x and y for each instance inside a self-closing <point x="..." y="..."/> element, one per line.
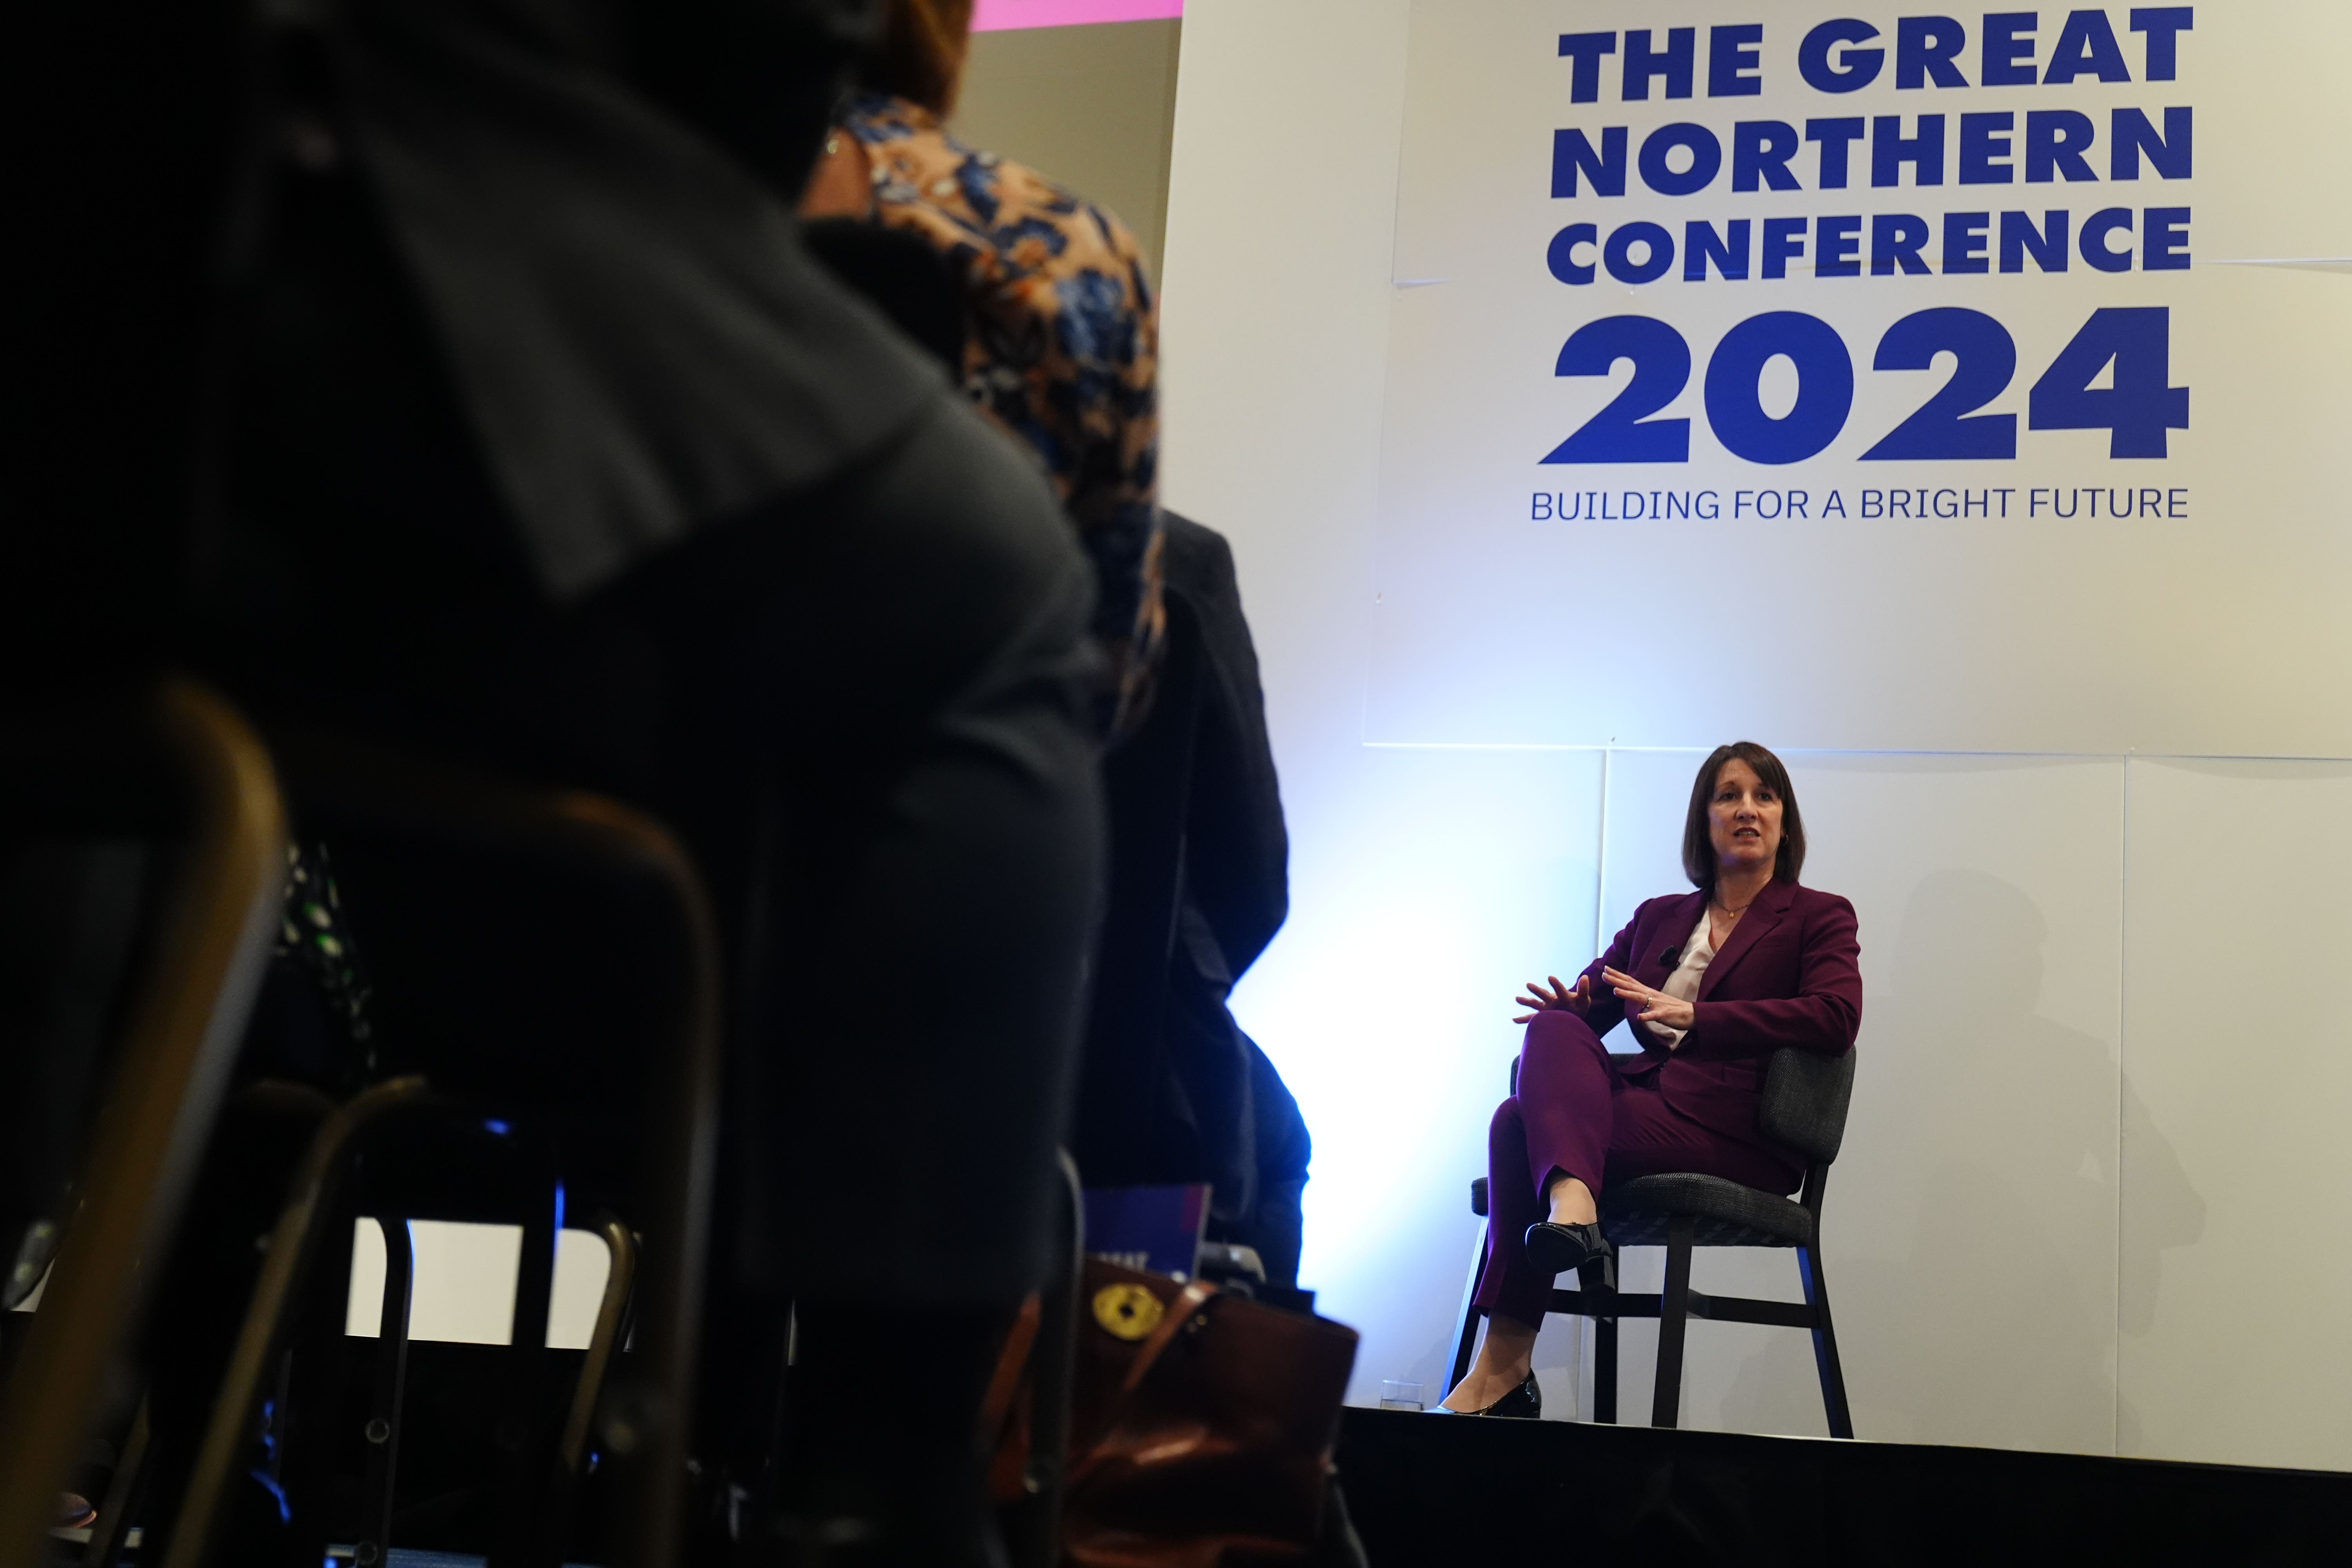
<point x="1598" y="1280"/>
<point x="1674" y="1315"/>
<point x="603" y="1344"/>
<point x="604" y="1341"/>
<point x="293" y="1245"/>
<point x="1605" y="1371"/>
<point x="1466" y="1340"/>
<point x="111" y="1533"/>
<point x="1056" y="1360"/>
<point x="524" y="1428"/>
<point x="382" y="1430"/>
<point x="1825" y="1353"/>
<point x="172" y="1054"/>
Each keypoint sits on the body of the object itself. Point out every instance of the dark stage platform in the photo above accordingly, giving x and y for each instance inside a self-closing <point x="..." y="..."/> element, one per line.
<point x="1433" y="1491"/>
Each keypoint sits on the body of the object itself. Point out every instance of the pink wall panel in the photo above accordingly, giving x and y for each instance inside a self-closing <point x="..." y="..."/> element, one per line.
<point x="994" y="16"/>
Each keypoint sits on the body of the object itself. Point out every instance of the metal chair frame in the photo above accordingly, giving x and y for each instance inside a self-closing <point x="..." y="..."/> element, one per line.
<point x="1034" y="1526"/>
<point x="638" y="1412"/>
<point x="169" y="1070"/>
<point x="1599" y="1298"/>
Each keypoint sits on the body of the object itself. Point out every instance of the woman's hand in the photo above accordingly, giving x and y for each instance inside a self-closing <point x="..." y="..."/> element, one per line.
<point x="1560" y="998"/>
<point x="1656" y="1006"/>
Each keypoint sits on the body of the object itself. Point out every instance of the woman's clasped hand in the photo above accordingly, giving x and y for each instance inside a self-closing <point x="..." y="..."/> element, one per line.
<point x="1655" y="1007"/>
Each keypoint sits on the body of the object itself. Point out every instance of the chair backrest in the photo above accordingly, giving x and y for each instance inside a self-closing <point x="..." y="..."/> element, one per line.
<point x="1805" y="1100"/>
<point x="172" y="1049"/>
<point x="553" y="954"/>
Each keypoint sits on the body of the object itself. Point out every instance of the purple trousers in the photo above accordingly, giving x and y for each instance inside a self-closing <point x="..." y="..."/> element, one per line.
<point x="1577" y="1115"/>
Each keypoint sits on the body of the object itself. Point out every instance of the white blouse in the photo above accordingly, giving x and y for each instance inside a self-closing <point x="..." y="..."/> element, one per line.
<point x="1683" y="984"/>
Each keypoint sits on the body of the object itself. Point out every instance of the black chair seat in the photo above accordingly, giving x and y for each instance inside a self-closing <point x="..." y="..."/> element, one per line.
<point x="1637" y="1212"/>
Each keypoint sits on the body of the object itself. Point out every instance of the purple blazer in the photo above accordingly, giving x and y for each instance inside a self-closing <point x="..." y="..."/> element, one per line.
<point x="1789" y="975"/>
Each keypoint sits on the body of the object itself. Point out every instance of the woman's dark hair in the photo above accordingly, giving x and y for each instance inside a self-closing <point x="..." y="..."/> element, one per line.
<point x="920" y="54"/>
<point x="1698" y="845"/>
<point x="761" y="77"/>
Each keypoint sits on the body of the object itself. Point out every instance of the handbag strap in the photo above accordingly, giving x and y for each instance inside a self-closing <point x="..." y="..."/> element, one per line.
<point x="1012" y="1365"/>
<point x="1192" y="1298"/>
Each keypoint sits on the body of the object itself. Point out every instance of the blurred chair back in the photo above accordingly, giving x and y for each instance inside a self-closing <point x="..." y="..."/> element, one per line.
<point x="180" y="771"/>
<point x="545" y="970"/>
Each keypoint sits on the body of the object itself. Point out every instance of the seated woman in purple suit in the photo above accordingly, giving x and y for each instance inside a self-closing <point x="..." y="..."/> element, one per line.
<point x="1710" y="984"/>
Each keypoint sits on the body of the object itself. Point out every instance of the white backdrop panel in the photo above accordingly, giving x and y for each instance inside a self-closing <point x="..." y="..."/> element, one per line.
<point x="1981" y="631"/>
<point x="2236" y="1257"/>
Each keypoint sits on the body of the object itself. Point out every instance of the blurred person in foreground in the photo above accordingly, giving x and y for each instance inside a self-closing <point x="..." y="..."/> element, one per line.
<point x="1050" y="325"/>
<point x="484" y="378"/>
<point x="1059" y="337"/>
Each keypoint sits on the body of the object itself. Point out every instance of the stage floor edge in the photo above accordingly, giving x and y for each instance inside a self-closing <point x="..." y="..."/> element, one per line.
<point x="1450" y="1492"/>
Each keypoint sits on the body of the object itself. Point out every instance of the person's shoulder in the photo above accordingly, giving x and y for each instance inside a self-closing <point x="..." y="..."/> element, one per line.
<point x="1049" y="226"/>
<point x="950" y="457"/>
<point x="1818" y="903"/>
<point x="896" y="125"/>
<point x="954" y="488"/>
<point x="1033" y="225"/>
<point x="1664" y="904"/>
<point x="917" y="170"/>
<point x="1195" y="557"/>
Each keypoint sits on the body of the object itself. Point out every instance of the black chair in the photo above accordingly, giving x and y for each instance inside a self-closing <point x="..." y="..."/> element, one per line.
<point x="1803" y="1109"/>
<point x="1033" y="1527"/>
<point x="572" y="1054"/>
<point x="177" y="779"/>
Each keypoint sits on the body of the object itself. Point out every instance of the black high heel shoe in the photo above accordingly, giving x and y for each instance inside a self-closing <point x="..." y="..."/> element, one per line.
<point x="1524" y="1402"/>
<point x="1554" y="1249"/>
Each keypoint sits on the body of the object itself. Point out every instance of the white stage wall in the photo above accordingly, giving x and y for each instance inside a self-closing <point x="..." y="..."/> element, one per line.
<point x="2087" y="1197"/>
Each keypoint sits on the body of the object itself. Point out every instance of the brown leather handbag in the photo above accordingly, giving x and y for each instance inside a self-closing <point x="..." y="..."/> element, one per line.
<point x="1202" y="1425"/>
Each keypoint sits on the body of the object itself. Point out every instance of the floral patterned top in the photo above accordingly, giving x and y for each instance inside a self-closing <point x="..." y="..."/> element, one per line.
<point x="1063" y="341"/>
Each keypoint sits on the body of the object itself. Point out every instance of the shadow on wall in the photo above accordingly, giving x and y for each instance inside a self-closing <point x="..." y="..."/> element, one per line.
<point x="1989" y="1326"/>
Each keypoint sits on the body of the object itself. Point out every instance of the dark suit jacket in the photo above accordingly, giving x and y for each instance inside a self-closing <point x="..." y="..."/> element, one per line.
<point x="1788" y="975"/>
<point x="1198" y="887"/>
<point x="1236" y="850"/>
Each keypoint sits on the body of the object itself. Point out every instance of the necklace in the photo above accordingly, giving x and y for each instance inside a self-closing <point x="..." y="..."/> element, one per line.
<point x="1727" y="909"/>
